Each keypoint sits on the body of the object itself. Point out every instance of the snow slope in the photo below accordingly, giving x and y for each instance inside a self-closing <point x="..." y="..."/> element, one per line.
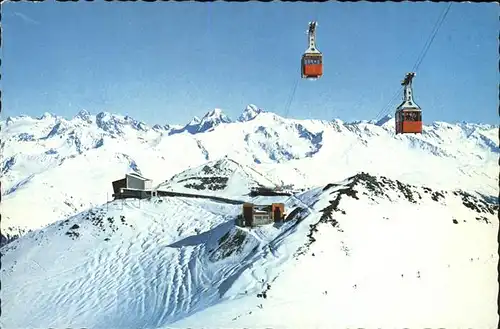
<point x="410" y="257"/>
<point x="368" y="251"/>
<point x="29" y="172"/>
<point x="224" y="178"/>
<point x="63" y="166"/>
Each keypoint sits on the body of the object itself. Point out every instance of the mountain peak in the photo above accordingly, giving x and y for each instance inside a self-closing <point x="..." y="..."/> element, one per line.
<point x="103" y="116"/>
<point x="159" y="127"/>
<point x="46" y="115"/>
<point x="108" y="122"/>
<point x="136" y="124"/>
<point x="214" y="113"/>
<point x="195" y="121"/>
<point x="224" y="177"/>
<point x="212" y="119"/>
<point x="83" y="115"/>
<point x="250" y="112"/>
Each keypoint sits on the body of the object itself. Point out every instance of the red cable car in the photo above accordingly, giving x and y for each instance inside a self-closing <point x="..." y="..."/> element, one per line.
<point x="408" y="114"/>
<point x="312" y="60"/>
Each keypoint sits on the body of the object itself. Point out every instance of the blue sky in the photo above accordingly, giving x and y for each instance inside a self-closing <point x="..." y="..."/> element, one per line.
<point x="167" y="62"/>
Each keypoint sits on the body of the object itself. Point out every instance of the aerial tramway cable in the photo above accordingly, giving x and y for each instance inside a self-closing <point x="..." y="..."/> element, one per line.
<point x="291" y="97"/>
<point x="389" y="105"/>
<point x="431" y="39"/>
<point x="420" y="57"/>
<point x="386" y="109"/>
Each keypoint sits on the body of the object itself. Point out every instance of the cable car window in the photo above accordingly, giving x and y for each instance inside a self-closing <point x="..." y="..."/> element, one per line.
<point x="312" y="61"/>
<point x="413" y="116"/>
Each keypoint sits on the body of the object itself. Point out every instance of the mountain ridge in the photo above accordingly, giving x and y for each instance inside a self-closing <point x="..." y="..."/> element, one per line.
<point x="249" y="113"/>
<point x="39" y="155"/>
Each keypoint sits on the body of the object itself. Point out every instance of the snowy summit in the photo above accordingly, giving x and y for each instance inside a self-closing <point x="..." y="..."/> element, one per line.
<point x="250" y="113"/>
<point x="212" y="119"/>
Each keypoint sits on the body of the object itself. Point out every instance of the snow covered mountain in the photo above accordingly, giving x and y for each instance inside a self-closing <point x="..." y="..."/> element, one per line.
<point x="191" y="127"/>
<point x="250" y="112"/>
<point x="64" y="166"/>
<point x="369" y="251"/>
<point x="223" y="178"/>
<point x="209" y="121"/>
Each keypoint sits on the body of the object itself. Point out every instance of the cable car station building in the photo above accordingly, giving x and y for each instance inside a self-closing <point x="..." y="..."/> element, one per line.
<point x="257" y="215"/>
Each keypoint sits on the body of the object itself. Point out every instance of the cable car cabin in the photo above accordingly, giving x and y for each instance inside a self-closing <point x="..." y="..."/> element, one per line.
<point x="408" y="114"/>
<point x="312" y="66"/>
<point x="312" y="60"/>
<point x="409" y="121"/>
